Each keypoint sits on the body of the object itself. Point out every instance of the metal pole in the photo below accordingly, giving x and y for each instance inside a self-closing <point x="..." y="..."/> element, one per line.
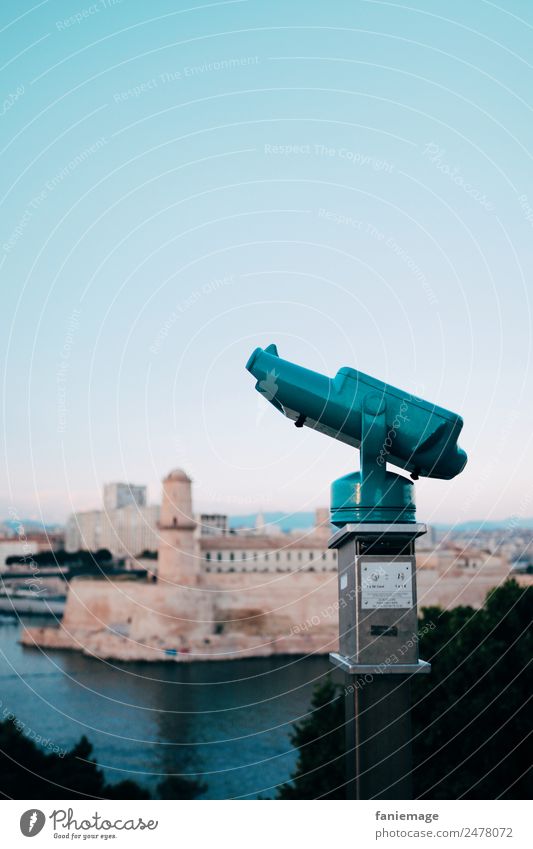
<point x="378" y="737"/>
<point x="378" y="652"/>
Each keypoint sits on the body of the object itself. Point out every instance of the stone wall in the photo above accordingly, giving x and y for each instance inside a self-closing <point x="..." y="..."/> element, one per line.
<point x="230" y="615"/>
<point x="238" y="615"/>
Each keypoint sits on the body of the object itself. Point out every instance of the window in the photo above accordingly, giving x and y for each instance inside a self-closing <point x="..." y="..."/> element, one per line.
<point x="243" y="556"/>
<point x="311" y="555"/>
<point x="277" y="555"/>
<point x="288" y="555"/>
<point x="231" y="555"/>
<point x="324" y="555"/>
<point x="219" y="555"/>
<point x="208" y="556"/>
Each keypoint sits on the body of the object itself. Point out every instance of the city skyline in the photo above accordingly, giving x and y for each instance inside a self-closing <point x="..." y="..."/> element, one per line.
<point x="276" y="515"/>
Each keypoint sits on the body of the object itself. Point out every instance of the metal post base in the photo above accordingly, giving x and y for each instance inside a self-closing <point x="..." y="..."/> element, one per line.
<point x="378" y="727"/>
<point x="378" y="737"/>
<point x="347" y="665"/>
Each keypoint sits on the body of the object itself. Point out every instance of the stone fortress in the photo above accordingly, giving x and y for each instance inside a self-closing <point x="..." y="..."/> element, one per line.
<point x="218" y="596"/>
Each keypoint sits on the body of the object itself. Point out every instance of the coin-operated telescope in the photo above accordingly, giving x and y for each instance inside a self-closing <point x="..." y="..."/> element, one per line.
<point x="374" y="510"/>
<point x="387" y="424"/>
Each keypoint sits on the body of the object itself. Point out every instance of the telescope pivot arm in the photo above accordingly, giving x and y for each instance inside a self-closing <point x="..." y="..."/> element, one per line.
<point x="374" y="434"/>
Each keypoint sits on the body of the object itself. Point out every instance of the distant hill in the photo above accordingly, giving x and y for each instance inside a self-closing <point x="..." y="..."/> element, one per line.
<point x="295" y="521"/>
<point x="30" y="526"/>
<point x="486" y="525"/>
<point x="286" y="522"/>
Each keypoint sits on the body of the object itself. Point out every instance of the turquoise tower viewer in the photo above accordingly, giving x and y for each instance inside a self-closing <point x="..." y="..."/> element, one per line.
<point x="387" y="424"/>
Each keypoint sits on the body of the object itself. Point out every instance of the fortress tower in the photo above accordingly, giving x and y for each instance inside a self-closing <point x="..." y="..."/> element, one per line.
<point x="179" y="555"/>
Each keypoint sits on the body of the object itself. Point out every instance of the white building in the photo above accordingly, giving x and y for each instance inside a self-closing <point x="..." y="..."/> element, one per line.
<point x="118" y="495"/>
<point x="254" y="553"/>
<point x="212" y="524"/>
<point x="126" y="531"/>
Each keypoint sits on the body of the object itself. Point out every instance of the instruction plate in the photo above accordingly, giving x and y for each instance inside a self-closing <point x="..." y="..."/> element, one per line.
<point x="386" y="585"/>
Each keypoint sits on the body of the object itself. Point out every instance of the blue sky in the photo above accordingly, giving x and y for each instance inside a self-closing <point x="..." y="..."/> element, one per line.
<point x="184" y="182"/>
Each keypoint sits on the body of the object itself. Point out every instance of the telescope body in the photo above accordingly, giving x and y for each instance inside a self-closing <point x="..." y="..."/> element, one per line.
<point x="421" y="437"/>
<point x="387" y="424"/>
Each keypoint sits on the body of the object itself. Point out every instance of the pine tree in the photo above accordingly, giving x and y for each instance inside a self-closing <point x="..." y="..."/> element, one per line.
<point x="471" y="716"/>
<point x="27" y="772"/>
<point x="319" y="738"/>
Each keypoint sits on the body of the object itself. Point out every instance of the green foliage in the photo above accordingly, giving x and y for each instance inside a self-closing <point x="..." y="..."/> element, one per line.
<point x="319" y="738"/>
<point x="27" y="772"/>
<point x="92" y="560"/>
<point x="471" y="717"/>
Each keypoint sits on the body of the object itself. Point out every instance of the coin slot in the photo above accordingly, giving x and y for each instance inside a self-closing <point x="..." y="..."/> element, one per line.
<point x="383" y="631"/>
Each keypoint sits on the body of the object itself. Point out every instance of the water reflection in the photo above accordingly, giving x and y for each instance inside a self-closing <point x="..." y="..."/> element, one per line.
<point x="226" y="723"/>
